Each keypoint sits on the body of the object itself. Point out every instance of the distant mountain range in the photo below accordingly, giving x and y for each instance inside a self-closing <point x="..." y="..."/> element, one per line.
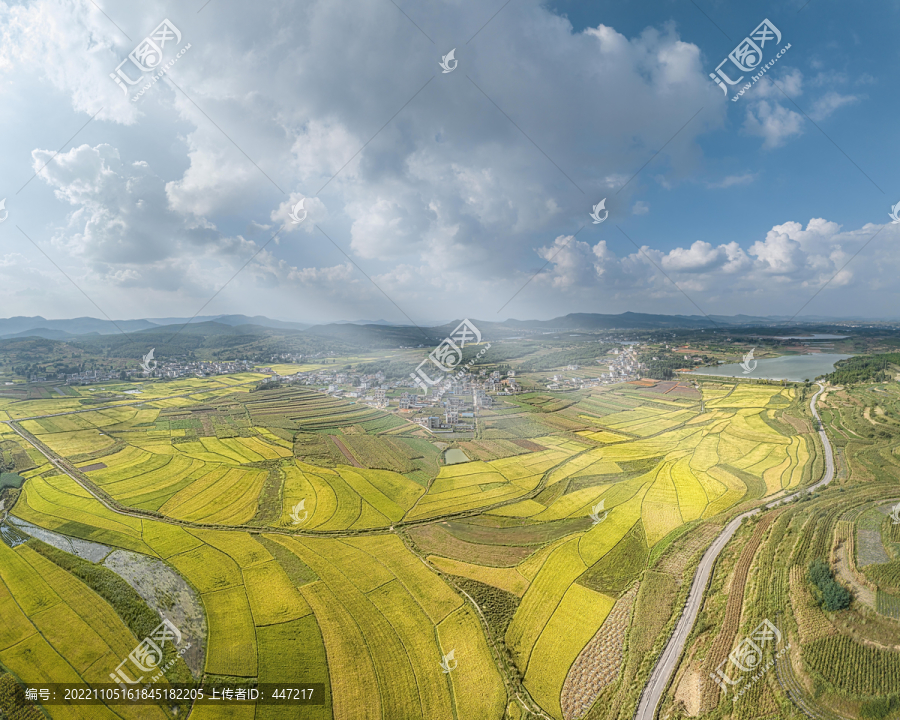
<point x="383" y="332"/>
<point x="18" y="327"/>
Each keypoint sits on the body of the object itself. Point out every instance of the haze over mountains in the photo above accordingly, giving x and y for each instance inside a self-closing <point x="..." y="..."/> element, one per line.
<point x="63" y="329"/>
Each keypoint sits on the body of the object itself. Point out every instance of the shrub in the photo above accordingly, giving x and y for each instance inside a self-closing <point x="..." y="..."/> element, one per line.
<point x="830" y="593"/>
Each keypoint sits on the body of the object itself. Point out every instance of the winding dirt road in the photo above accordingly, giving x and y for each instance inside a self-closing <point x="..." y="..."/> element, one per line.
<point x="668" y="662"/>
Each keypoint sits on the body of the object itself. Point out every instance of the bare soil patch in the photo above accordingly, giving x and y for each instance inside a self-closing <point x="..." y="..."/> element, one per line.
<point x="869" y="548"/>
<point x="846" y="577"/>
<point x="599" y="662"/>
<point x="95" y="466"/>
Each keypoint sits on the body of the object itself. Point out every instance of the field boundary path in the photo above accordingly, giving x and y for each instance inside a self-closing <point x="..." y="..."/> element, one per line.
<point x="665" y="667"/>
<point x="112" y="505"/>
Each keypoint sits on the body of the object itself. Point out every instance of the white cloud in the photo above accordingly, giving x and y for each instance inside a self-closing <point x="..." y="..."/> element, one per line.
<point x="312" y="212"/>
<point x="828" y="103"/>
<point x="430" y="188"/>
<point x="770" y="277"/>
<point x="640" y="208"/>
<point x="774" y="123"/>
<point x="732" y="180"/>
<point x="789" y="82"/>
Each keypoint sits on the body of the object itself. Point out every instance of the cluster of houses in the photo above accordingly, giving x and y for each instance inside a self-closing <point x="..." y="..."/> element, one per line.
<point x="170" y="369"/>
<point x="451" y="406"/>
<point x="623" y="366"/>
<point x="198" y="368"/>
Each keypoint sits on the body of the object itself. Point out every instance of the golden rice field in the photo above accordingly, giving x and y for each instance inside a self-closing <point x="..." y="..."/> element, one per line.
<point x="353" y="576"/>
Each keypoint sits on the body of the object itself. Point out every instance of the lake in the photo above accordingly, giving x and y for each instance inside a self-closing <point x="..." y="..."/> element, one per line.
<point x="796" y="368"/>
<point x="816" y="336"/>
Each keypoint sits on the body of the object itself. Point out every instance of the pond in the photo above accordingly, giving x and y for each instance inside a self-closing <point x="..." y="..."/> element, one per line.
<point x="455" y="456"/>
<point x="795" y="368"/>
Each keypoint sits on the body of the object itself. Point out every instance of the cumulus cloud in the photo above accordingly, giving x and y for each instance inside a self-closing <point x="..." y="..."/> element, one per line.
<point x="123" y="230"/>
<point x="788" y="263"/>
<point x="419" y="176"/>
<point x="69" y="44"/>
<point x="299" y="212"/>
<point x="773" y="122"/>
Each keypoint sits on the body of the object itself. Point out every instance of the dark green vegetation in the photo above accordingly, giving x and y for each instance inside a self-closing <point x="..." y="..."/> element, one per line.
<point x="13" y="705"/>
<point x="497" y="605"/>
<point x="880" y="708"/>
<point x="865" y="368"/>
<point x="135" y="613"/>
<point x="830" y="593"/>
<point x="547" y="402"/>
<point x="10" y="480"/>
<point x="662" y="365"/>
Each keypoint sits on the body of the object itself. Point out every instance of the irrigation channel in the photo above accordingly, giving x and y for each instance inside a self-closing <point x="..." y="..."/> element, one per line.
<point x="668" y="662"/>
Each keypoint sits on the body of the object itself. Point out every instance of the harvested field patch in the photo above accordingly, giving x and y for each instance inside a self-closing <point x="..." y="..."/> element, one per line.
<point x="92" y="466"/>
<point x="599" y="663"/>
<point x="435" y="539"/>
<point x="869" y="548"/>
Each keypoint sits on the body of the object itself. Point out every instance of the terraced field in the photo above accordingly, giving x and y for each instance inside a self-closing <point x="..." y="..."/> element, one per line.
<point x="355" y="563"/>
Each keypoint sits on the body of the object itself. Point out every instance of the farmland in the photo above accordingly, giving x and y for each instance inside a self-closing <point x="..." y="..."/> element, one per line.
<point x="833" y="660"/>
<point x="330" y="536"/>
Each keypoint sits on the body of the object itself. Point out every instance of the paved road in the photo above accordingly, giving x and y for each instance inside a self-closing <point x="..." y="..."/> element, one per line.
<point x="668" y="661"/>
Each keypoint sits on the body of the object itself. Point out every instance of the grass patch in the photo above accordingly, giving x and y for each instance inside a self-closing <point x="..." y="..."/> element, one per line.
<point x="10" y="480"/>
<point x="667" y="541"/>
<point x="616" y="570"/>
<point x="297" y="571"/>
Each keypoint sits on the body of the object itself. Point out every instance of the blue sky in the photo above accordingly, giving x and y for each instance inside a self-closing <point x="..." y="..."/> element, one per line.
<point x="449" y="190"/>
